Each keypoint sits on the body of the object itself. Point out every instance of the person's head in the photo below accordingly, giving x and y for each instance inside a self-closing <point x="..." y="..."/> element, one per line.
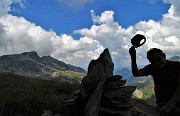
<point x="156" y="57"/>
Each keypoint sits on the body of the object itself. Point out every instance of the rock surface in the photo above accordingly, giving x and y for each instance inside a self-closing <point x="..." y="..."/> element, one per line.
<point x="98" y="70"/>
<point x="104" y="93"/>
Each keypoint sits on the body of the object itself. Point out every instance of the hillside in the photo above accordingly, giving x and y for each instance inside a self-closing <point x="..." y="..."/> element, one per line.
<point x="29" y="64"/>
<point x="29" y="97"/>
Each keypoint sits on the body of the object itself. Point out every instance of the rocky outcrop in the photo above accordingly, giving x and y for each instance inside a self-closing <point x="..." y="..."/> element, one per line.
<point x="104" y="93"/>
<point x="98" y="70"/>
<point x="115" y="99"/>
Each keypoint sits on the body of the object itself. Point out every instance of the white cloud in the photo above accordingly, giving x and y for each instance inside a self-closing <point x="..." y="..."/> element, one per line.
<point x="18" y="35"/>
<point x="163" y="34"/>
<point x="176" y="5"/>
<point x="5" y="6"/>
<point x="106" y="17"/>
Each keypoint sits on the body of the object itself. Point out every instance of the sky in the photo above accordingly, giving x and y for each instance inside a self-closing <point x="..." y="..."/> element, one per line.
<point x="77" y="31"/>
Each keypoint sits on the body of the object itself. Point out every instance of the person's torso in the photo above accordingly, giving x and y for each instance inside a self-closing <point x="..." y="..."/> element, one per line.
<point x="166" y="80"/>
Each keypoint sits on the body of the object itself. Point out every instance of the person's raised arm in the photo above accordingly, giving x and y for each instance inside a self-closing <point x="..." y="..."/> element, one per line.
<point x="135" y="71"/>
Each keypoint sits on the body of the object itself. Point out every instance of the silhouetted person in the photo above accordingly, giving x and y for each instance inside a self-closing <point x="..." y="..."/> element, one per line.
<point x="166" y="76"/>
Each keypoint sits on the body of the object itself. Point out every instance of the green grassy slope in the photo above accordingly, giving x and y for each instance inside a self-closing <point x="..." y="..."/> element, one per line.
<point x="29" y="97"/>
<point x="73" y="76"/>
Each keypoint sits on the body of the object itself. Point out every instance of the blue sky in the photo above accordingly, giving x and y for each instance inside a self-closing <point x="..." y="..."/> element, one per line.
<point x="77" y="31"/>
<point x="64" y="18"/>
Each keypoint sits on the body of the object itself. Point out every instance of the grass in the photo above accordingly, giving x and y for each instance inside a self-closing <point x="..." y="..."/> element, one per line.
<point x="29" y="97"/>
<point x="69" y="75"/>
<point x="148" y="92"/>
<point x="148" y="95"/>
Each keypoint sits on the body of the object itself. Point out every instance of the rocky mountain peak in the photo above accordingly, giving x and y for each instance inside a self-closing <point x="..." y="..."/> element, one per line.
<point x="32" y="54"/>
<point x="31" y="65"/>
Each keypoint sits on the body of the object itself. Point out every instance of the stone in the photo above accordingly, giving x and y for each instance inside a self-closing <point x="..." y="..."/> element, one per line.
<point x="138" y="94"/>
<point x="123" y="92"/>
<point x="97" y="70"/>
<point x="92" y="107"/>
<point x="114" y="82"/>
<point x="105" y="93"/>
<point x="118" y="112"/>
<point x="47" y="113"/>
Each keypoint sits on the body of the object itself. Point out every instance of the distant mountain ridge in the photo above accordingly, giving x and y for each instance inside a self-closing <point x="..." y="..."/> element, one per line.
<point x="175" y="58"/>
<point x="30" y="64"/>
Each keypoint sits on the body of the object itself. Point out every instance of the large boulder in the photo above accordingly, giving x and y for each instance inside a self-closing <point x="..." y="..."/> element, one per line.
<point x="99" y="69"/>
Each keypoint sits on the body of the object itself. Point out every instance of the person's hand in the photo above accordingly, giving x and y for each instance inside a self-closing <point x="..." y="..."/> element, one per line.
<point x="165" y="110"/>
<point x="132" y="51"/>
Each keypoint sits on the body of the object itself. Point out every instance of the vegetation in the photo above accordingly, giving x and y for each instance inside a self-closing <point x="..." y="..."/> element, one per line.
<point x="69" y="75"/>
<point x="147" y="87"/>
<point x="29" y="97"/>
<point x="148" y="94"/>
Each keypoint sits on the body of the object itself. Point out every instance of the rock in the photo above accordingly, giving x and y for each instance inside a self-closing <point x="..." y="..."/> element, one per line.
<point x="114" y="82"/>
<point x="138" y="94"/>
<point x="122" y="92"/>
<point x="98" y="69"/>
<point x="105" y="94"/>
<point x="92" y="107"/>
<point x="106" y="110"/>
<point x="103" y="90"/>
<point x="142" y="108"/>
<point x="57" y="115"/>
<point x="47" y="113"/>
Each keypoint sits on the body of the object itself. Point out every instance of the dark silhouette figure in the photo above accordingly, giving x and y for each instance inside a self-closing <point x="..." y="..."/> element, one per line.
<point x="166" y="76"/>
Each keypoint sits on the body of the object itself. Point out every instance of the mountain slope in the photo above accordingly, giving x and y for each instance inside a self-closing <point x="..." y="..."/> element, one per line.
<point x="22" y="96"/>
<point x="31" y="65"/>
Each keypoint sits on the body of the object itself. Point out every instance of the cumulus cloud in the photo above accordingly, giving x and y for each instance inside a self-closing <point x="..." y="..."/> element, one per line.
<point x="5" y="6"/>
<point x="163" y="34"/>
<point x="18" y="35"/>
<point x="176" y="5"/>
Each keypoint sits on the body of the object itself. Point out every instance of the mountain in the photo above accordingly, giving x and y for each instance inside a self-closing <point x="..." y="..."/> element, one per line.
<point x="175" y="58"/>
<point x="126" y="73"/>
<point x="31" y="65"/>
